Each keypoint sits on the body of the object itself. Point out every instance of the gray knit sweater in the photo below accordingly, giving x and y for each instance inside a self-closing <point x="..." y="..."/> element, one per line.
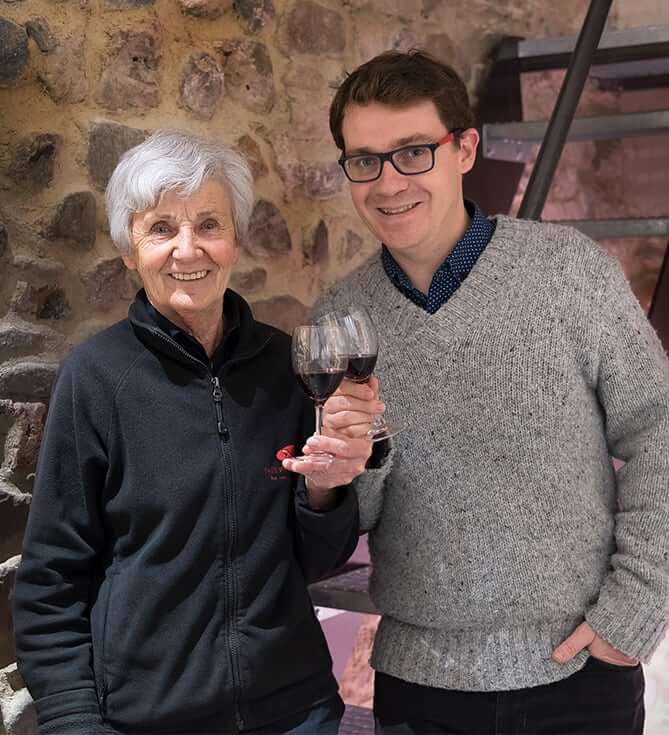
<point x="497" y="522"/>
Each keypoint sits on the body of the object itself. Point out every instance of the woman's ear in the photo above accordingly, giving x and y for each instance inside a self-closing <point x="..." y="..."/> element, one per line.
<point x="130" y="262"/>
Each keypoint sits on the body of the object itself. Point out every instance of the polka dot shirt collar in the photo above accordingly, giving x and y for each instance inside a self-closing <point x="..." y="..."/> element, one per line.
<point x="453" y="271"/>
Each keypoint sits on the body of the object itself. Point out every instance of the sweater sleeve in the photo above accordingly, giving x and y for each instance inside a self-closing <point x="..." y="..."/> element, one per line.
<point x="633" y="389"/>
<point x="370" y="486"/>
<point x="63" y="538"/>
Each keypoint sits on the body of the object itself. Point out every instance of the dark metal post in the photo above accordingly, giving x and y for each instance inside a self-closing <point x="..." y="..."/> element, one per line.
<point x="563" y="114"/>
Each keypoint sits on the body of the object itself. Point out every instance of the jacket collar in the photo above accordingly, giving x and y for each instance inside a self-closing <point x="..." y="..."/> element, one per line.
<point x="244" y="337"/>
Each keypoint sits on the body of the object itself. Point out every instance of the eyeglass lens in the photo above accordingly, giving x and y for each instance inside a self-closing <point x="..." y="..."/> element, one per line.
<point x="410" y="160"/>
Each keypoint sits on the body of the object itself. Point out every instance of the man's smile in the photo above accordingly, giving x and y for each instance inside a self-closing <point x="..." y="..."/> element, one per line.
<point x="398" y="210"/>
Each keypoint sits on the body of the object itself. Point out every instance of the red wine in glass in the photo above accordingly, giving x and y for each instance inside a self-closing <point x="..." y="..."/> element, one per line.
<point x="319" y="385"/>
<point x="363" y="346"/>
<point x="360" y="367"/>
<point x="319" y="362"/>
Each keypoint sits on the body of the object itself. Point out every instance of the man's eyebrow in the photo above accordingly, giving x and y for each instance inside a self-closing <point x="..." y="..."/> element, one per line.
<point x="398" y="143"/>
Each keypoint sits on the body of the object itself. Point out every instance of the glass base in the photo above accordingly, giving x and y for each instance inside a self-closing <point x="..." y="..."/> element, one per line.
<point x="319" y="459"/>
<point x="383" y="432"/>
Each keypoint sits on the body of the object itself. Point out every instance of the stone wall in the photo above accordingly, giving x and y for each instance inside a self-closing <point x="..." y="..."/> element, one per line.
<point x="83" y="80"/>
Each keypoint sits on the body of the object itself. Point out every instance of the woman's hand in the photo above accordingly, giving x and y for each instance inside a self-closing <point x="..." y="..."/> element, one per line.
<point x="347" y="419"/>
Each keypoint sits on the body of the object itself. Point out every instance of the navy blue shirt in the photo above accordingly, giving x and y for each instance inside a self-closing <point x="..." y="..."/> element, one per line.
<point x="453" y="271"/>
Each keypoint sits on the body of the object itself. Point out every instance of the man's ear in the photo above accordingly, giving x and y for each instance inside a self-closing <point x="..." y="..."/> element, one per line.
<point x="469" y="140"/>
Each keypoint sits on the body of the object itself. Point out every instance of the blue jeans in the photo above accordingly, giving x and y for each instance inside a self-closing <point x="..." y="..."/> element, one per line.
<point x="323" y="719"/>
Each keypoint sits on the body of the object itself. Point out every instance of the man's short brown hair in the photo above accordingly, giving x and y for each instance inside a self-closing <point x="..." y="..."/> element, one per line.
<point x="398" y="79"/>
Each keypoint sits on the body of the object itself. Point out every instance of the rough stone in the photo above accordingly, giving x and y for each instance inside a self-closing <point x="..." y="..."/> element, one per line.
<point x="108" y="282"/>
<point x="43" y="302"/>
<point x="313" y="29"/>
<point x="22" y="443"/>
<point x="441" y="45"/>
<point x="389" y="36"/>
<point x="201" y="87"/>
<point x="53" y="303"/>
<point x="62" y="72"/>
<point x="248" y="74"/>
<point x="315" y="247"/>
<point x="317" y="181"/>
<point x="17" y="710"/>
<point x="14" y="52"/>
<point x="4" y="239"/>
<point x="352" y="245"/>
<point x="254" y="14"/>
<point x="19" y="337"/>
<point x="310" y="99"/>
<point x="7" y="576"/>
<point x="406" y="9"/>
<point x="249" y="281"/>
<point x="268" y="232"/>
<point x="107" y="142"/>
<point x="130" y="79"/>
<point x="322" y="180"/>
<point x="251" y="151"/>
<point x="14" y="507"/>
<point x="129" y="3"/>
<point x="75" y="220"/>
<point x="285" y="158"/>
<point x="34" y="161"/>
<point x="27" y="380"/>
<point x="39" y="266"/>
<point x="38" y="29"/>
<point x="205" y="8"/>
<point x="283" y="312"/>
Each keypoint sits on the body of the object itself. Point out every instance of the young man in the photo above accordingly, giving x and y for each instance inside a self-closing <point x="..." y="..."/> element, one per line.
<point x="520" y="578"/>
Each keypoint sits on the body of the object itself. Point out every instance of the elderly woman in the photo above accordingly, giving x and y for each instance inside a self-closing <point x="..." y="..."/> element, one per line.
<point x="163" y="585"/>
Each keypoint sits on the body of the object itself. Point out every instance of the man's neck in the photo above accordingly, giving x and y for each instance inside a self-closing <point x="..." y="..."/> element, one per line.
<point x="420" y="264"/>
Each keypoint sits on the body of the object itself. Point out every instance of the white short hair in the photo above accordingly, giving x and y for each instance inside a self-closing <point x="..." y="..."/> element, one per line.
<point x="175" y="160"/>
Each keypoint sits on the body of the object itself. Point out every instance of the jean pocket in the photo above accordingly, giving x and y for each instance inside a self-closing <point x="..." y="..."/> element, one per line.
<point x="600" y="663"/>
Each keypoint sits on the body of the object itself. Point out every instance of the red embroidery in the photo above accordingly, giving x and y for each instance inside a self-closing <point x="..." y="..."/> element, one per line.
<point x="286" y="453"/>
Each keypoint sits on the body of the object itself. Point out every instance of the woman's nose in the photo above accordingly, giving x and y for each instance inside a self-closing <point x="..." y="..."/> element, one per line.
<point x="185" y="246"/>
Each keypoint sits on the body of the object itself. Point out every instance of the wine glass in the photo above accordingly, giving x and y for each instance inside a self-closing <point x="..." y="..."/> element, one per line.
<point x="362" y="346"/>
<point x="319" y="362"/>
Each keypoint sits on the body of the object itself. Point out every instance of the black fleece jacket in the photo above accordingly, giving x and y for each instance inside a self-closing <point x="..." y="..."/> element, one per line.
<point x="163" y="584"/>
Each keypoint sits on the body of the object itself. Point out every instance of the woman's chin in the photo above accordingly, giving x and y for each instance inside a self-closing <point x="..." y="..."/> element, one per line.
<point x="191" y="304"/>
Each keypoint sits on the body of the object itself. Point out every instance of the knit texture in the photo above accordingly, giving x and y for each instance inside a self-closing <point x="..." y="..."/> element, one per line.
<point x="497" y="521"/>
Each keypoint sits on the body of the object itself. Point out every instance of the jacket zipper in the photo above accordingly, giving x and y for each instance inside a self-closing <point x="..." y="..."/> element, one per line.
<point x="229" y="587"/>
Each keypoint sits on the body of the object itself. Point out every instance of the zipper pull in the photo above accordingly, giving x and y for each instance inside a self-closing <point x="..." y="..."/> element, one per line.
<point x="222" y="429"/>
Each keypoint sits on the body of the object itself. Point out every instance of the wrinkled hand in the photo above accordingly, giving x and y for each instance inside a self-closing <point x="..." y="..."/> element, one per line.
<point x="351" y="409"/>
<point x="347" y="419"/>
<point x="350" y="457"/>
<point x="585" y="637"/>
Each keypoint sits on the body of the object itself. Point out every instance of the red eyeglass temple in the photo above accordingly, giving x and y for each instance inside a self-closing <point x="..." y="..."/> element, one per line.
<point x="448" y="137"/>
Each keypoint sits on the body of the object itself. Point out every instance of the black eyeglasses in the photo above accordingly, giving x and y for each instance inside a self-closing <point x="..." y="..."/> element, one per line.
<point x="408" y="160"/>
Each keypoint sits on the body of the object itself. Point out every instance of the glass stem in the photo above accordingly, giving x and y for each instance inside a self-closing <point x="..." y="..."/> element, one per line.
<point x="319" y="418"/>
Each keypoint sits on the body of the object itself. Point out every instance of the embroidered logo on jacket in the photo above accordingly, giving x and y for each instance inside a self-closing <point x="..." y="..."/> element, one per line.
<point x="286" y="453"/>
<point x="276" y="472"/>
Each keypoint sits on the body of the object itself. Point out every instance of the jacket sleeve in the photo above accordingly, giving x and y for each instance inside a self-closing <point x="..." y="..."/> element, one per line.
<point x="325" y="539"/>
<point x="633" y="389"/>
<point x="63" y="539"/>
